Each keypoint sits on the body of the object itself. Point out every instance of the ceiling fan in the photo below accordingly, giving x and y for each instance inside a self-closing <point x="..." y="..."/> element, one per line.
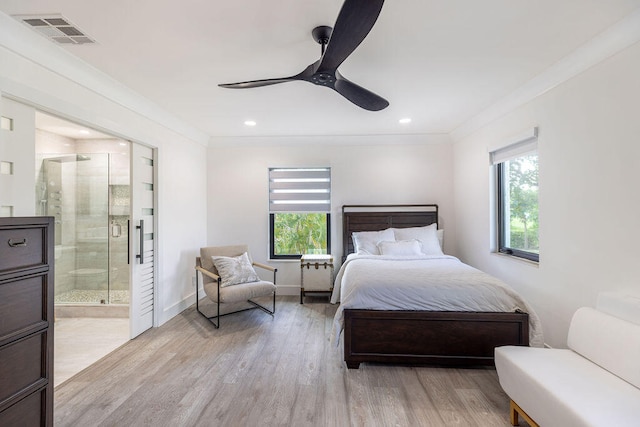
<point x="355" y="20"/>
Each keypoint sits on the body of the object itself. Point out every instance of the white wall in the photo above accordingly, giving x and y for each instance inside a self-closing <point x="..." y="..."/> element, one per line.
<point x="589" y="157"/>
<point x="39" y="73"/>
<point x="388" y="169"/>
<point x="13" y="200"/>
<point x="589" y="161"/>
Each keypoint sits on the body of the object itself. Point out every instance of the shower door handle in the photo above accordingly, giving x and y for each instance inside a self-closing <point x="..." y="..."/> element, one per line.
<point x="141" y="228"/>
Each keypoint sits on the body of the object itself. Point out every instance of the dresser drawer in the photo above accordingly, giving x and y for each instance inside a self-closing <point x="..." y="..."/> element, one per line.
<point x="26" y="321"/>
<point x="23" y="305"/>
<point x="26" y="412"/>
<point x="23" y="365"/>
<point x="22" y="247"/>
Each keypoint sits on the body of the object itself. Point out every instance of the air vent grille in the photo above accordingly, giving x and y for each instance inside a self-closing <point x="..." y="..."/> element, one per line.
<point x="55" y="27"/>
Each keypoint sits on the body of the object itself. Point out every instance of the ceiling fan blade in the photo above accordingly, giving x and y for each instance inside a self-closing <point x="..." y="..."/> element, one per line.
<point x="258" y="83"/>
<point x="358" y="95"/>
<point x="355" y="20"/>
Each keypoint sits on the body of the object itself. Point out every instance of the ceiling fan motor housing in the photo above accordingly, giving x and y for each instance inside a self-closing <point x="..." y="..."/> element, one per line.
<point x="323" y="79"/>
<point x="321" y="35"/>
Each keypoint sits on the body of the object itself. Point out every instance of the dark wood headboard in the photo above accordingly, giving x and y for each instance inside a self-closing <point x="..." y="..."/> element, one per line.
<point x="380" y="217"/>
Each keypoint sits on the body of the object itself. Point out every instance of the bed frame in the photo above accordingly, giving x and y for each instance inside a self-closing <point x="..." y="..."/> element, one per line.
<point x="420" y="337"/>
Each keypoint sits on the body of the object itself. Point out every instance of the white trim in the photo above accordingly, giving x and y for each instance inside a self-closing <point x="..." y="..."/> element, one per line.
<point x="175" y="309"/>
<point x="515" y="139"/>
<point x="529" y="262"/>
<point x="26" y="43"/>
<point x="325" y="140"/>
<point x="611" y="41"/>
<point x="524" y="143"/>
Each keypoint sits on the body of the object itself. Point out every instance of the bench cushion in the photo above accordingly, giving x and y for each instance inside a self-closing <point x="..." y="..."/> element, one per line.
<point x="558" y="387"/>
<point x="608" y="341"/>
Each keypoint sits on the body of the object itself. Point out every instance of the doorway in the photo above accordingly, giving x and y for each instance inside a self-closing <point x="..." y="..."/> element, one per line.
<point x="82" y="180"/>
<point x="104" y="257"/>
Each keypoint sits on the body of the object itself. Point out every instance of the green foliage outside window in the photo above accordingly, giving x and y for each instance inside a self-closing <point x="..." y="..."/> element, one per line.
<point x="523" y="203"/>
<point x="300" y="233"/>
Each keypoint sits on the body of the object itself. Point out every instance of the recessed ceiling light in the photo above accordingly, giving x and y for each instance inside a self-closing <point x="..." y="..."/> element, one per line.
<point x="123" y="144"/>
<point x="405" y="120"/>
<point x="249" y="123"/>
<point x="84" y="132"/>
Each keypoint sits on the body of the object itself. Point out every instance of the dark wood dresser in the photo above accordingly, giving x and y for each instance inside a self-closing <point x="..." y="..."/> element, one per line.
<point x="26" y="321"/>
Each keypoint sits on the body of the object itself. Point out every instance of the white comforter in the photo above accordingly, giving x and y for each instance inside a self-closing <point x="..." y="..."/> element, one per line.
<point x="427" y="283"/>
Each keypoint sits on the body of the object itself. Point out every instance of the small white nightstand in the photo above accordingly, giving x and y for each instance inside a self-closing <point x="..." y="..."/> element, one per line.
<point x="316" y="275"/>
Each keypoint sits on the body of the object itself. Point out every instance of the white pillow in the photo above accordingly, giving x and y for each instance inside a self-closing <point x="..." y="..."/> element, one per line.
<point x="427" y="236"/>
<point x="402" y="248"/>
<point x="441" y="238"/>
<point x="235" y="270"/>
<point x="366" y="242"/>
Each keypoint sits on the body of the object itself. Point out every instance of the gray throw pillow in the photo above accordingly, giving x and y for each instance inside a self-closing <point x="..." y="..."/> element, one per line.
<point x="235" y="270"/>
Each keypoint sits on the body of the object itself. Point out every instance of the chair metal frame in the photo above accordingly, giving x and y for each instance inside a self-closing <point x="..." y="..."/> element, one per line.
<point x="218" y="279"/>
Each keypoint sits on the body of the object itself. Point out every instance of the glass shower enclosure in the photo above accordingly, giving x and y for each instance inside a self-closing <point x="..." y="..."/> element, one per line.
<point x="88" y="195"/>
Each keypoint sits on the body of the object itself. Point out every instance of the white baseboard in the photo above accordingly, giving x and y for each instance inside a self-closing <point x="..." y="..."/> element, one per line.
<point x="177" y="308"/>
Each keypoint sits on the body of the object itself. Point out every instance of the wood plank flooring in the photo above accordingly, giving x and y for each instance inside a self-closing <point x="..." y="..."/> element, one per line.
<point x="259" y="370"/>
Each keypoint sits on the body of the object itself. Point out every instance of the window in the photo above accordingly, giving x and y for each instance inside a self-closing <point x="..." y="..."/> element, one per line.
<point x="516" y="168"/>
<point x="299" y="212"/>
<point x="6" y="123"/>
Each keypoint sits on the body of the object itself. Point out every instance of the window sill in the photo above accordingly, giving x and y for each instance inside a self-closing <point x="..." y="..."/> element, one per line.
<point x="516" y="258"/>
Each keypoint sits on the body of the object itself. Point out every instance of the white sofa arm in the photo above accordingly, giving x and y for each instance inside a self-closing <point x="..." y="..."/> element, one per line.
<point x="607" y="341"/>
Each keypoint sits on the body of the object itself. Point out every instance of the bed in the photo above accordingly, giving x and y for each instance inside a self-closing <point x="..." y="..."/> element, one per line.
<point x="432" y="332"/>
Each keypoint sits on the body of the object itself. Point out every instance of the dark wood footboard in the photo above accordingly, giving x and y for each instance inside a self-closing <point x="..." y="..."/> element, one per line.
<point x="430" y="337"/>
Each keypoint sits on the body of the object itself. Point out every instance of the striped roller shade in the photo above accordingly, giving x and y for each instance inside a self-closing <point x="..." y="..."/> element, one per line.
<point x="300" y="190"/>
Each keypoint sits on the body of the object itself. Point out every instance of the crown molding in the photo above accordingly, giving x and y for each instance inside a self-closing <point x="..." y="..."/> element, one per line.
<point x="330" y="140"/>
<point x="20" y="40"/>
<point x="611" y="41"/>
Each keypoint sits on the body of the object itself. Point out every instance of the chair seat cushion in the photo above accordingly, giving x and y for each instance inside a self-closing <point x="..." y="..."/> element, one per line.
<point x="238" y="293"/>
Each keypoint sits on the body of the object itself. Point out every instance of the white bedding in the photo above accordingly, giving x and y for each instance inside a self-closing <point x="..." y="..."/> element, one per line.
<point x="426" y="283"/>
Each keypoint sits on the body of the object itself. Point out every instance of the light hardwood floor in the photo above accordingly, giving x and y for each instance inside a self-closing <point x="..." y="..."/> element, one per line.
<point x="259" y="370"/>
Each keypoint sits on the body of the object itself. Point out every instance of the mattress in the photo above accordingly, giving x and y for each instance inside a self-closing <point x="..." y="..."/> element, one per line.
<point x="424" y="283"/>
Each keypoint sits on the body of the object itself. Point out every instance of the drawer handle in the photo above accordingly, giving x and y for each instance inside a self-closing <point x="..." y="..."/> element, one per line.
<point x="16" y="243"/>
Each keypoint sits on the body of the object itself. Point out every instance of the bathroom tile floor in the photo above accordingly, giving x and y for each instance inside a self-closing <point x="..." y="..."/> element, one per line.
<point x="80" y="342"/>
<point x="92" y="296"/>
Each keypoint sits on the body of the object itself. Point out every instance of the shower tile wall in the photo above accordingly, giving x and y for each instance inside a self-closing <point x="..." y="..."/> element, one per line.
<point x="118" y="250"/>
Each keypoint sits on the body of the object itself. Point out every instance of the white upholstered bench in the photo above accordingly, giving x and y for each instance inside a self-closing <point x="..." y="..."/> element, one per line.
<point x="595" y="382"/>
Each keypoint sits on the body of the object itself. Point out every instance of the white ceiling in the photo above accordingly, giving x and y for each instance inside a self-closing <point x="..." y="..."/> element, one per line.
<point x="66" y="128"/>
<point x="439" y="62"/>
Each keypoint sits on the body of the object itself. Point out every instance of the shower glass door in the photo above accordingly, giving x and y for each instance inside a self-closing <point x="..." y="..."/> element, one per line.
<point x="74" y="189"/>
